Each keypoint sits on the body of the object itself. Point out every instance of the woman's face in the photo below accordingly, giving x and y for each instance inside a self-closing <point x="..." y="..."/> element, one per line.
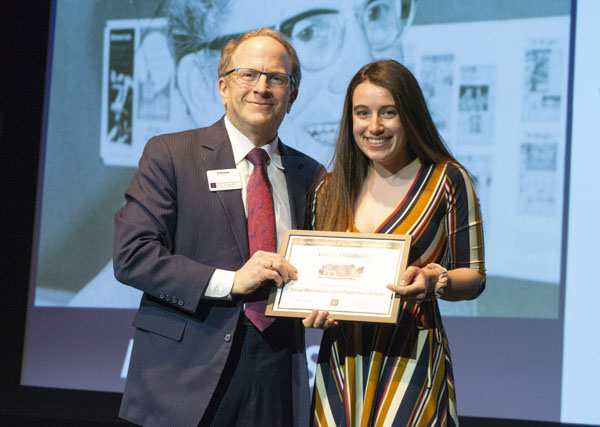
<point x="376" y="126"/>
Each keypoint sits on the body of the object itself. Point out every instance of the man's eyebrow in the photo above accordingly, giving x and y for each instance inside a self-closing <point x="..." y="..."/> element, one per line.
<point x="287" y="26"/>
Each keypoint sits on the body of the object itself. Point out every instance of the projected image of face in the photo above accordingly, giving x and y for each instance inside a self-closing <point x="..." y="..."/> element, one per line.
<point x="333" y="40"/>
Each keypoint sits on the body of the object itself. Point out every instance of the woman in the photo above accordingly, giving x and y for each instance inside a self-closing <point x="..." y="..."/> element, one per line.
<point x="393" y="174"/>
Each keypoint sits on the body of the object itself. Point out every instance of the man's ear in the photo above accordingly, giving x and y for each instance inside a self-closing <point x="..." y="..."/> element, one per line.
<point x="293" y="97"/>
<point x="196" y="84"/>
<point x="223" y="91"/>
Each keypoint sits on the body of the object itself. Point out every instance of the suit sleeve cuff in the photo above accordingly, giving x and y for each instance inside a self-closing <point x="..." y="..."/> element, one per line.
<point x="220" y="284"/>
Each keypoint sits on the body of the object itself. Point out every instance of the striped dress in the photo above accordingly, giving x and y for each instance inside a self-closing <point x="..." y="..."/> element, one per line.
<point x="401" y="375"/>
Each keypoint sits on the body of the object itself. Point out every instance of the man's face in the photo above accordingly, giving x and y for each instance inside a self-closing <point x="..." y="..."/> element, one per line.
<point x="257" y="110"/>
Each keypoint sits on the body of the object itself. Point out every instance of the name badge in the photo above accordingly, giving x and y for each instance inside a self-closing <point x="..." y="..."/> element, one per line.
<point x="224" y="179"/>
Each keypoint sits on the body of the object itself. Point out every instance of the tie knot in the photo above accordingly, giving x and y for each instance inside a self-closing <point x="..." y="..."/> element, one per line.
<point x="257" y="156"/>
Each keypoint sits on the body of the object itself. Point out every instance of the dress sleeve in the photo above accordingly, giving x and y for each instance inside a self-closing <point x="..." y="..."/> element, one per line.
<point x="463" y="223"/>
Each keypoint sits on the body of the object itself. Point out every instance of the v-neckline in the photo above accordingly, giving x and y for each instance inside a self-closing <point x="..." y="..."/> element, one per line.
<point x="402" y="202"/>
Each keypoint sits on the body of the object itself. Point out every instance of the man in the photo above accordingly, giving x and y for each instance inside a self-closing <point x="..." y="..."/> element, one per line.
<point x="202" y="354"/>
<point x="333" y="40"/>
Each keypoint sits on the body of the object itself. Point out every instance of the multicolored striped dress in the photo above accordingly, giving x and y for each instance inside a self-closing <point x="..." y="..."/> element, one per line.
<point x="401" y="375"/>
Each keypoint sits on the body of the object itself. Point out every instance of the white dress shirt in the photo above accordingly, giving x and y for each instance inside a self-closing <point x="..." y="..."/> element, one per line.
<point x="221" y="281"/>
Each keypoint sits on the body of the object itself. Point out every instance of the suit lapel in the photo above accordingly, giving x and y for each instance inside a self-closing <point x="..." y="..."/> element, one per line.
<point x="297" y="184"/>
<point x="217" y="154"/>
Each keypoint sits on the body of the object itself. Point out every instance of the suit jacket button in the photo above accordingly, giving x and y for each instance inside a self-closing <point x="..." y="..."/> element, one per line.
<point x="161" y="296"/>
<point x="227" y="337"/>
<point x="180" y="302"/>
<point x="174" y="300"/>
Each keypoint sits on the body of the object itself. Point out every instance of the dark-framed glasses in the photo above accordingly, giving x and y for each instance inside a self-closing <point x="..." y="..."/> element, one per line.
<point x="250" y="77"/>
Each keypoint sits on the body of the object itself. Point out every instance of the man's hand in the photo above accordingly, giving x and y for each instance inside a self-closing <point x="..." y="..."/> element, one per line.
<point x="262" y="266"/>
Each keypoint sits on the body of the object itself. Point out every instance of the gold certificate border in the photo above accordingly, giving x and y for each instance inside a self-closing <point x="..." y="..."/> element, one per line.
<point x="362" y="240"/>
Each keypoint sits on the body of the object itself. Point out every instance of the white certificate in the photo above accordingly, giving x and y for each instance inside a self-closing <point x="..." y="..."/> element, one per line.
<point x="343" y="273"/>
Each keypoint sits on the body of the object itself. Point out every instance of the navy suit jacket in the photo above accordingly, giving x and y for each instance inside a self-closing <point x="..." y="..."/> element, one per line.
<point x="170" y="237"/>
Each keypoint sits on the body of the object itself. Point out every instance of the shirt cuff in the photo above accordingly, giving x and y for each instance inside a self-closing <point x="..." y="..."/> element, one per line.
<point x="220" y="285"/>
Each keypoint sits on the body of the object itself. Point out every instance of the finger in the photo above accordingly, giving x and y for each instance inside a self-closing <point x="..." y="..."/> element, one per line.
<point x="276" y="260"/>
<point x="396" y="289"/>
<point x="309" y="320"/>
<point x="408" y="290"/>
<point x="282" y="276"/>
<point x="288" y="271"/>
<point x="409" y="275"/>
<point x="411" y="292"/>
<point x="400" y="290"/>
<point x="330" y="322"/>
<point x="292" y="274"/>
<point x="264" y="259"/>
<point x="285" y="263"/>
<point x="314" y="319"/>
<point x="321" y="318"/>
<point x="273" y="275"/>
<point x="416" y="280"/>
<point x="293" y="271"/>
<point x="285" y="272"/>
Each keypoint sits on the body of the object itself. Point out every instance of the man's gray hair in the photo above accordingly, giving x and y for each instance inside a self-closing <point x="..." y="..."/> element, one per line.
<point x="229" y="49"/>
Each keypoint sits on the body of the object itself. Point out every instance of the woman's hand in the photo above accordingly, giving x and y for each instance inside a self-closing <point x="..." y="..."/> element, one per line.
<point x="419" y="284"/>
<point x="319" y="320"/>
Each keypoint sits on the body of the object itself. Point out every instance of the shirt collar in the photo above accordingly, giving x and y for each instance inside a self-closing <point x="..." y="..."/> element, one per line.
<point x="241" y="145"/>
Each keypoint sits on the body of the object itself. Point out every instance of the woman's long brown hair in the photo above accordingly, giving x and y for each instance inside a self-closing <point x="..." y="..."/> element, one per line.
<point x="337" y="199"/>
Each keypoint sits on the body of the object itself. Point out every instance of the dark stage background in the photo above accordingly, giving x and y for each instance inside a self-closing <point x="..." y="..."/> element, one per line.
<point x="24" y="29"/>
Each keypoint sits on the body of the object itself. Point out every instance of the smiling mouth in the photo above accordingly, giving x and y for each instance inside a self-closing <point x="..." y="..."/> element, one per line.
<point x="260" y="104"/>
<point x="323" y="133"/>
<point x="376" y="141"/>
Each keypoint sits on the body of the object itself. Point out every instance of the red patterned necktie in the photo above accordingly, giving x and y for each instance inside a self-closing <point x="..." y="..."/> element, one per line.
<point x="261" y="227"/>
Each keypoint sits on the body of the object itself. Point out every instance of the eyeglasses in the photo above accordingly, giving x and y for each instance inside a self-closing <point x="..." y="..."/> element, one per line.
<point x="250" y="77"/>
<point x="318" y="34"/>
